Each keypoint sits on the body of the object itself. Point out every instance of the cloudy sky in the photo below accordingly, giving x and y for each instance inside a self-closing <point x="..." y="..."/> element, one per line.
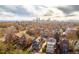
<point x="26" y="12"/>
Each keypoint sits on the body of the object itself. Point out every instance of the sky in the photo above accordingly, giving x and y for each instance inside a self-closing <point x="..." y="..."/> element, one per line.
<point x="28" y="12"/>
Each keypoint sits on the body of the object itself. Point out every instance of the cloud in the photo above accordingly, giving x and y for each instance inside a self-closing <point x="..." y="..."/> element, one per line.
<point x="36" y="10"/>
<point x="69" y="8"/>
<point x="20" y="12"/>
<point x="76" y="13"/>
<point x="16" y="9"/>
<point x="40" y="10"/>
<point x="57" y="12"/>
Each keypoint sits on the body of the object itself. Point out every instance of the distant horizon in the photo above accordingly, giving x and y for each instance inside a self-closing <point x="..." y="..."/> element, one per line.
<point x="24" y="12"/>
